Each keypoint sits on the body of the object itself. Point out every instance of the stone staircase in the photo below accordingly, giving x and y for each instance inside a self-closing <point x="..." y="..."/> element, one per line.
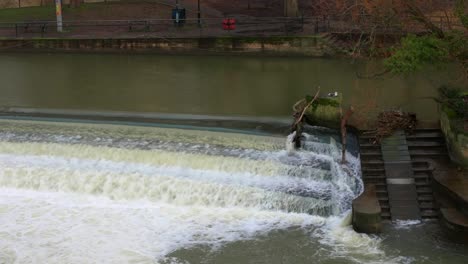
<point x="426" y="148"/>
<point x="373" y="172"/>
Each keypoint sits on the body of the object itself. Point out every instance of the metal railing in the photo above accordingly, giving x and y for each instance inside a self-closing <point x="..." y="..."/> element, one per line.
<point x="192" y="27"/>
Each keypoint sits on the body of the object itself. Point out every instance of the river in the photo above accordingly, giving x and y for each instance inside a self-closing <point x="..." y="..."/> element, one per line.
<point x="210" y="85"/>
<point x="107" y="192"/>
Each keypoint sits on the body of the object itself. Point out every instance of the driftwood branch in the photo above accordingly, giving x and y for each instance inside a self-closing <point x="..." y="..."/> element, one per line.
<point x="297" y="126"/>
<point x="299" y="119"/>
<point x="344" y="121"/>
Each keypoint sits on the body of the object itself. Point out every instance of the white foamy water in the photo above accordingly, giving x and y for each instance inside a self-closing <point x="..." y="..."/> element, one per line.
<point x="82" y="202"/>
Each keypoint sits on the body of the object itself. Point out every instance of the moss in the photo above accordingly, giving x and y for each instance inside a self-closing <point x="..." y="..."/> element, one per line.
<point x="324" y="112"/>
<point x="325" y="102"/>
<point x="451" y="114"/>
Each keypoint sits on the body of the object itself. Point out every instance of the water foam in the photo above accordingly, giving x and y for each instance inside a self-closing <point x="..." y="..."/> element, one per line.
<point x="44" y="227"/>
<point x="112" y="202"/>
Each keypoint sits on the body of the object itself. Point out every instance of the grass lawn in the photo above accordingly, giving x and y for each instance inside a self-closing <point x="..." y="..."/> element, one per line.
<point x="91" y="11"/>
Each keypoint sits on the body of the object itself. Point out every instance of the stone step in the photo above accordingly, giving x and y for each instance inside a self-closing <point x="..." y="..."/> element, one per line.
<point x="420" y="164"/>
<point x="381" y="186"/>
<point x="425" y="198"/>
<point x="371" y="153"/>
<point x="374" y="179"/>
<point x="427" y="205"/>
<point x="422" y="176"/>
<point x="373" y="172"/>
<point x="371" y="158"/>
<point x="367" y="145"/>
<point x="427" y="153"/>
<point x="425" y="144"/>
<point x="423" y="190"/>
<point x="429" y="214"/>
<point x="422" y="185"/>
<point x="427" y="134"/>
<point x="385" y="215"/>
<point x="372" y="164"/>
<point x="427" y="170"/>
<point x="383" y="199"/>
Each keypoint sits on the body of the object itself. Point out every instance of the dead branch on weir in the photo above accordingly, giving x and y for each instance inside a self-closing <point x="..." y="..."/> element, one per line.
<point x="344" y="121"/>
<point x="299" y="120"/>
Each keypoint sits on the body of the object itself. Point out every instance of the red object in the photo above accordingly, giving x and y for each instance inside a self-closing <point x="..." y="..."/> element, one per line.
<point x="229" y="24"/>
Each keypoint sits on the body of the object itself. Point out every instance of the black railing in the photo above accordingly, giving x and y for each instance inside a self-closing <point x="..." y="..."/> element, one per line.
<point x="245" y="26"/>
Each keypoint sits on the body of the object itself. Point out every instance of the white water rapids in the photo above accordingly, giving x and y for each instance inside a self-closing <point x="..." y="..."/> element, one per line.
<point x="88" y="193"/>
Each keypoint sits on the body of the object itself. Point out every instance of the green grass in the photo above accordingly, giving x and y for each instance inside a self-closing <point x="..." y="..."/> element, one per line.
<point x="27" y="13"/>
<point x="42" y="12"/>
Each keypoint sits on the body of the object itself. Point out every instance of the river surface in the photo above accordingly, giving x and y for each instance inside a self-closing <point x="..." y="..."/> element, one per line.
<point x="210" y="85"/>
<point x="78" y="192"/>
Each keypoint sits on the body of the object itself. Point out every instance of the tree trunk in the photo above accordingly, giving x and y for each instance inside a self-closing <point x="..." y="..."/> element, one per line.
<point x="75" y="3"/>
<point x="291" y="8"/>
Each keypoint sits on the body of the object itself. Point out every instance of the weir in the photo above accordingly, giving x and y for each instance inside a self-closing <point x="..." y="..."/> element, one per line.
<point x="175" y="170"/>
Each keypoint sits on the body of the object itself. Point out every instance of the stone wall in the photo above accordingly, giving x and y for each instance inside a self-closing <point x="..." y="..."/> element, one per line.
<point x="456" y="139"/>
<point x="287" y="46"/>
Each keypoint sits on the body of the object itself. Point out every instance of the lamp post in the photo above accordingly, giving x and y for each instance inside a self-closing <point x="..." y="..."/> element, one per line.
<point x="58" y="13"/>
<point x="199" y="14"/>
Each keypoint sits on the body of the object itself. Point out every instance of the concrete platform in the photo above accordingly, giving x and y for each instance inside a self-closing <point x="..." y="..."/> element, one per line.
<point x="454" y="183"/>
<point x="366" y="212"/>
<point x="455" y="223"/>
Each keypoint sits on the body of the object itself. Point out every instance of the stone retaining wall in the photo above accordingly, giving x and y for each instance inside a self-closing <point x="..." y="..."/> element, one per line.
<point x="457" y="140"/>
<point x="288" y="46"/>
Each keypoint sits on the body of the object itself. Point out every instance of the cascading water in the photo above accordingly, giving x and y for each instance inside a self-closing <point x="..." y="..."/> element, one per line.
<point x="85" y="193"/>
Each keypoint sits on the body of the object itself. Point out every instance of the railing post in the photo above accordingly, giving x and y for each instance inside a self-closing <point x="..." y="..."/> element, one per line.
<point x="16" y="30"/>
<point x="302" y="22"/>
